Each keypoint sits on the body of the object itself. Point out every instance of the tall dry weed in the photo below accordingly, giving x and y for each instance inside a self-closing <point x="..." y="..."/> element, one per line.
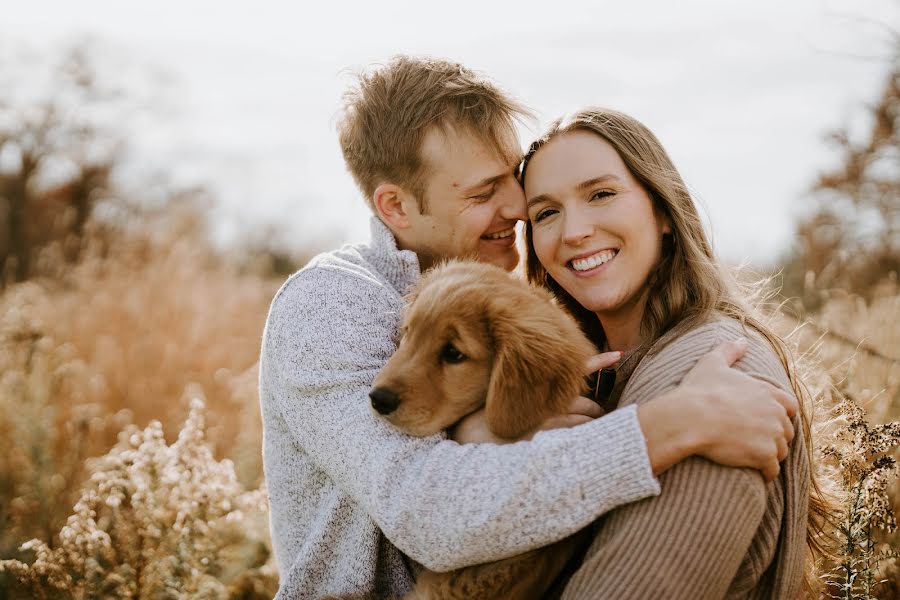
<point x="847" y="351"/>
<point x="156" y="521"/>
<point x="864" y="464"/>
<point x="49" y="421"/>
<point x="147" y="319"/>
<point x="154" y="313"/>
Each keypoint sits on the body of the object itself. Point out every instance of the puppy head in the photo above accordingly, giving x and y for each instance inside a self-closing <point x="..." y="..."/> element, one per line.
<point x="475" y="335"/>
<point x="441" y="369"/>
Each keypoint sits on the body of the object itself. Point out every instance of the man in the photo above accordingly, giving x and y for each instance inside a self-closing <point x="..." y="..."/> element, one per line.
<point x="433" y="148"/>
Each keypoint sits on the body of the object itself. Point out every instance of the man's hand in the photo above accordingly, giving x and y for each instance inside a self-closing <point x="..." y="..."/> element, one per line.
<point x="473" y="428"/>
<point x="748" y="420"/>
<point x="721" y="414"/>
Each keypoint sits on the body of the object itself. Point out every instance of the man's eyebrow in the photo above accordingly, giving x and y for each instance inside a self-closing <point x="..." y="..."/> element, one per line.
<point x="485" y="182"/>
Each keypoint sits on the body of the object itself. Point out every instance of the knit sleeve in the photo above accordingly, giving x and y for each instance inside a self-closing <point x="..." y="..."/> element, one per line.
<point x="444" y="504"/>
<point x="690" y="541"/>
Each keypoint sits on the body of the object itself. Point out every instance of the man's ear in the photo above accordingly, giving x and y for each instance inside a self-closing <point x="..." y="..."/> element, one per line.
<point x="390" y="204"/>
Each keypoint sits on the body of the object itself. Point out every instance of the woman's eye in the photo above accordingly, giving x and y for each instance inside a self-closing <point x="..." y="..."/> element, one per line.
<point x="543" y="215"/>
<point x="601" y="195"/>
<point x="451" y="354"/>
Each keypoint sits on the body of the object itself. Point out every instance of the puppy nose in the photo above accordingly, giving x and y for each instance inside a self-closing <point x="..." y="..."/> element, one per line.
<point x="384" y="400"/>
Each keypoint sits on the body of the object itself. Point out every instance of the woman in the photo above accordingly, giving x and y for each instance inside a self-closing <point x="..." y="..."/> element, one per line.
<point x="613" y="231"/>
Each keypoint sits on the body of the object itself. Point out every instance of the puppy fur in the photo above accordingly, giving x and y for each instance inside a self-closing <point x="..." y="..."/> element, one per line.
<point x="475" y="336"/>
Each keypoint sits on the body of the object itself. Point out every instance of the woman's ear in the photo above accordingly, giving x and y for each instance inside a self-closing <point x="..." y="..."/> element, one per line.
<point x="662" y="215"/>
<point x="666" y="228"/>
<point x="389" y="205"/>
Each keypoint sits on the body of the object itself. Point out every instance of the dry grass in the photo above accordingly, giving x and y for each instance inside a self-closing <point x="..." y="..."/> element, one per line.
<point x="156" y="520"/>
<point x="847" y="350"/>
<point x="143" y="323"/>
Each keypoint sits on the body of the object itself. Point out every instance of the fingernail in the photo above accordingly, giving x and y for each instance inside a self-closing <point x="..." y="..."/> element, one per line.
<point x="740" y="340"/>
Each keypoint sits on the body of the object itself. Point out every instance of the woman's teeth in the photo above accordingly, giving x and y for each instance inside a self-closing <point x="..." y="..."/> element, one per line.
<point x="593" y="261"/>
<point x="500" y="234"/>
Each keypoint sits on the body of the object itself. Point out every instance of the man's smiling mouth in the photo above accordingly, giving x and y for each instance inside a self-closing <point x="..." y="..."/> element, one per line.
<point x="499" y="235"/>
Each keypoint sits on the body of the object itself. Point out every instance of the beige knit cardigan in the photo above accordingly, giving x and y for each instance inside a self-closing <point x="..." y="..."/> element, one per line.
<point x="714" y="532"/>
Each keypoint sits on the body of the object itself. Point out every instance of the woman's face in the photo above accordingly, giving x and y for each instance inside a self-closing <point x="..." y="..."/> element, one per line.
<point x="594" y="227"/>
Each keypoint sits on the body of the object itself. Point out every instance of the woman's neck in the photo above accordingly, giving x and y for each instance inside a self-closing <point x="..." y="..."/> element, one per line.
<point x="622" y="327"/>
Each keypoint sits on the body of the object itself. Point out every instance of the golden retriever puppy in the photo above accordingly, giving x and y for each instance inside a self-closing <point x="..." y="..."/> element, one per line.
<point x="475" y="336"/>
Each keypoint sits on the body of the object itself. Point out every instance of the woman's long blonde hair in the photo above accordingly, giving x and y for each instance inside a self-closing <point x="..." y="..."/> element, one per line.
<point x="688" y="285"/>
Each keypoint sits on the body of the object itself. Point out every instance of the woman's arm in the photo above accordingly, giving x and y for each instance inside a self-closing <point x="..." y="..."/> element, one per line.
<point x="693" y="540"/>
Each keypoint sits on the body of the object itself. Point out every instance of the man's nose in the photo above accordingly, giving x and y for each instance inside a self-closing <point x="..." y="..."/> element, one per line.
<point x="384" y="400"/>
<point x="513" y="207"/>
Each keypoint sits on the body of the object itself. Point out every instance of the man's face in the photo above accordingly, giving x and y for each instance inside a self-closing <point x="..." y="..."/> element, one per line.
<point x="473" y="201"/>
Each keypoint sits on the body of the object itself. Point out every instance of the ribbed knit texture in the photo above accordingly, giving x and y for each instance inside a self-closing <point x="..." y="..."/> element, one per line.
<point x="348" y="492"/>
<point x="713" y="532"/>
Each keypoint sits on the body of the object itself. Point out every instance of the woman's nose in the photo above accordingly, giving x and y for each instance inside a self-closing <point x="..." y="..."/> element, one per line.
<point x="576" y="229"/>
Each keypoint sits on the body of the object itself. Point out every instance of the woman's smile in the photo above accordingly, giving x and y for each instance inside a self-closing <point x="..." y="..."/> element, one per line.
<point x="592" y="263"/>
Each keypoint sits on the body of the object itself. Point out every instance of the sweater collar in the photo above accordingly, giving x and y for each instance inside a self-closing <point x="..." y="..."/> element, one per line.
<point x="400" y="267"/>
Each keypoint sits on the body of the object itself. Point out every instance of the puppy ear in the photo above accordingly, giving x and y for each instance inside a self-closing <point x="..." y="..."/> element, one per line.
<point x="539" y="359"/>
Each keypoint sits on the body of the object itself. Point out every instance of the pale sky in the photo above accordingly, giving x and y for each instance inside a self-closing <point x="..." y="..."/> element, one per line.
<point x="741" y="93"/>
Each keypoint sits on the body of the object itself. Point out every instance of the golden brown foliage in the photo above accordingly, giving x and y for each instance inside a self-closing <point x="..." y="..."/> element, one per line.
<point x="851" y="238"/>
<point x="845" y="351"/>
<point x="55" y="165"/>
<point x="145" y="320"/>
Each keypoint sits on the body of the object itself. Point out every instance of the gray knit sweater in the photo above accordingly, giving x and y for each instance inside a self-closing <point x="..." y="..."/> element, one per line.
<point x="349" y="494"/>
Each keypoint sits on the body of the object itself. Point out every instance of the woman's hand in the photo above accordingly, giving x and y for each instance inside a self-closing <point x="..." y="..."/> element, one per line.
<point x="473" y="428"/>
<point x="721" y="414"/>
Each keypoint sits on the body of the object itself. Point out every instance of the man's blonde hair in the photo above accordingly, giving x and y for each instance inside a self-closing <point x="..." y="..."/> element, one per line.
<point x="387" y="115"/>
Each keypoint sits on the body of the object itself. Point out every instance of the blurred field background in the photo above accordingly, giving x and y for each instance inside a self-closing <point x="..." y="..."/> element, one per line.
<point x="129" y="339"/>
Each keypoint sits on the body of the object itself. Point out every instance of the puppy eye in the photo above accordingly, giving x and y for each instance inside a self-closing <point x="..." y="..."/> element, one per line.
<point x="450" y="354"/>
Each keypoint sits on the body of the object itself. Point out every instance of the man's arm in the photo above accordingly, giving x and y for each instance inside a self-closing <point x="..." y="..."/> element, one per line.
<point x="443" y="504"/>
<point x="689" y="542"/>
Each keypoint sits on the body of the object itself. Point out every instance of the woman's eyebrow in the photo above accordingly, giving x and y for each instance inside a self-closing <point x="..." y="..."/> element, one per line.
<point x="580" y="187"/>
<point x="537" y="199"/>
<point x="596" y="180"/>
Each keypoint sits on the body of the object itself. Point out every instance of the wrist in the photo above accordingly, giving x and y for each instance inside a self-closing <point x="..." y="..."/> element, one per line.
<point x="473" y="429"/>
<point x="673" y="428"/>
<point x="690" y="418"/>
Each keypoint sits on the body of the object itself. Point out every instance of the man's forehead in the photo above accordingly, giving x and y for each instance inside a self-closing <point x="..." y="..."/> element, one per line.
<point x="445" y="145"/>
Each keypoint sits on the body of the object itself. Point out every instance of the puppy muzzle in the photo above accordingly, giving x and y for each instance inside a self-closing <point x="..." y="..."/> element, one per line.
<point x="384" y="400"/>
